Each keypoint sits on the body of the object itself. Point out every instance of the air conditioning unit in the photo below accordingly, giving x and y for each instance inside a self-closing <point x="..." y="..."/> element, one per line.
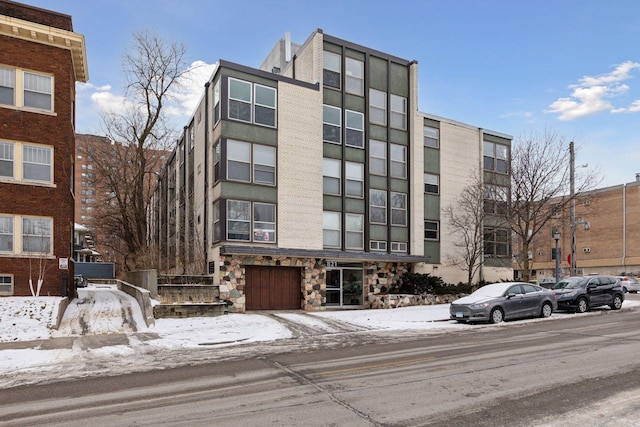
<point x="586" y="250"/>
<point x="587" y="225"/>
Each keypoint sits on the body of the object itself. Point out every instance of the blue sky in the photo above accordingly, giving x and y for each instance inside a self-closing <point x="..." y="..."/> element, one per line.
<point x="516" y="67"/>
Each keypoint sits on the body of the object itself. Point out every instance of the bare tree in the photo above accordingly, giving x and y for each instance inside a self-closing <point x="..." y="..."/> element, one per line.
<point x="466" y="219"/>
<point x="125" y="169"/>
<point x="540" y="188"/>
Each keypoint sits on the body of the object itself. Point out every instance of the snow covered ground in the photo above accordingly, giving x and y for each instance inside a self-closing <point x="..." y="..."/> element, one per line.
<point x="103" y="331"/>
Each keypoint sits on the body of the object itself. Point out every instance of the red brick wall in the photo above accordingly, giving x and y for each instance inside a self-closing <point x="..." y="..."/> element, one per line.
<point x="34" y="14"/>
<point x="57" y="131"/>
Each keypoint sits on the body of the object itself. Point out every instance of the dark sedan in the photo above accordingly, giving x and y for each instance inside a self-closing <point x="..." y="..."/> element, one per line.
<point x="502" y="301"/>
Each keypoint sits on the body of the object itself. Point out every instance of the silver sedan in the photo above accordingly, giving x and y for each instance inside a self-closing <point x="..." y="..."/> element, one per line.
<point x="502" y="301"/>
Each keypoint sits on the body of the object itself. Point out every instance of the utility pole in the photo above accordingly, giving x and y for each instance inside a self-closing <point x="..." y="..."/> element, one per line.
<point x="572" y="204"/>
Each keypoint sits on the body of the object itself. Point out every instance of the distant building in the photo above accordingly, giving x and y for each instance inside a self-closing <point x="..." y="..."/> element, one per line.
<point x="607" y="230"/>
<point x="314" y="181"/>
<point x="41" y="59"/>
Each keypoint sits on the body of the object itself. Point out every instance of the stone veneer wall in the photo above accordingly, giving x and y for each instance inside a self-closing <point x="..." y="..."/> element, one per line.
<point x="232" y="279"/>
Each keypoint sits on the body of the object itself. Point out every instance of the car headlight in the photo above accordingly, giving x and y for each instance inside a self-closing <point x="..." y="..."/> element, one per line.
<point x="479" y="306"/>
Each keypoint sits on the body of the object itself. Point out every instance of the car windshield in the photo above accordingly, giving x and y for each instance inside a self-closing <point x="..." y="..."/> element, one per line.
<point x="578" y="284"/>
<point x="493" y="290"/>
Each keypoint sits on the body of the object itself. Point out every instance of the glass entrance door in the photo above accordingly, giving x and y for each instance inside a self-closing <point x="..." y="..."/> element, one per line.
<point x="344" y="284"/>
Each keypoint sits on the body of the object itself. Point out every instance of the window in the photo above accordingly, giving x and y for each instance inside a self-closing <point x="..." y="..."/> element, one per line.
<point x="37" y="91"/>
<point x="36" y="235"/>
<point x="378" y="245"/>
<point x="192" y="137"/>
<point x="216" y="162"/>
<point x="6" y="160"/>
<point x="431" y="230"/>
<point x="354" y="79"/>
<point x="6" y="285"/>
<point x="331" y="229"/>
<point x="377" y="157"/>
<point x="354" y="225"/>
<point x="7" y="86"/>
<point x="355" y="179"/>
<point x="264" y="222"/>
<point x="496" y="242"/>
<point x="398" y="112"/>
<point x="398" y="160"/>
<point x="216" y="102"/>
<point x="238" y="220"/>
<point x="431" y="137"/>
<point x="398" y="209"/>
<point x="398" y="247"/>
<point x="36" y="163"/>
<point x="355" y="129"/>
<point x="431" y="183"/>
<point x="216" y="221"/>
<point x="6" y="233"/>
<point x="377" y="107"/>
<point x="239" y="100"/>
<point x="265" y="105"/>
<point x="331" y="124"/>
<point x="264" y="164"/>
<point x="239" y="161"/>
<point x="331" y="176"/>
<point x="331" y="64"/>
<point x="378" y="206"/>
<point x="495" y="157"/>
<point x="495" y="199"/>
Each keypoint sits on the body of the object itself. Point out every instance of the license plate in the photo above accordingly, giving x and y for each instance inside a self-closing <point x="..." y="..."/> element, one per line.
<point x="459" y="314"/>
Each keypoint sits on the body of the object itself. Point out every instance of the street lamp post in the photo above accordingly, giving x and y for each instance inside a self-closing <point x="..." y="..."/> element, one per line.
<point x="556" y="236"/>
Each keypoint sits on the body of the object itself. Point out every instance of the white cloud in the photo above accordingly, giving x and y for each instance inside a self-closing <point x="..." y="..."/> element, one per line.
<point x="190" y="89"/>
<point x="592" y="94"/>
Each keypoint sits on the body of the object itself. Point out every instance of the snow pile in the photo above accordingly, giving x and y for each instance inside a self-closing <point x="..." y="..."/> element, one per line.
<point x="27" y="318"/>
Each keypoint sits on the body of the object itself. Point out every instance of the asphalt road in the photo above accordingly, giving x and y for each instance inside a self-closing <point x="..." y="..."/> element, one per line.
<point x="578" y="370"/>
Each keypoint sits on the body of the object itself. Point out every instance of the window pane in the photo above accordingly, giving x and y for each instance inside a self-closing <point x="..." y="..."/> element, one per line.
<point x="6" y="159"/>
<point x="355" y="129"/>
<point x="265" y="116"/>
<point x="36" y="163"/>
<point x="264" y="225"/>
<point x="238" y="220"/>
<point x="331" y="176"/>
<point x="431" y="230"/>
<point x="354" y="76"/>
<point x="264" y="170"/>
<point x="332" y="123"/>
<point x="378" y="206"/>
<point x="378" y="157"/>
<point x="377" y="107"/>
<point x="37" y="91"/>
<point x="6" y="234"/>
<point x="354" y="231"/>
<point x="398" y="209"/>
<point x="431" y="183"/>
<point x="240" y="90"/>
<point x="265" y="96"/>
<point x="431" y="137"/>
<point x="331" y="69"/>
<point x="398" y="160"/>
<point x="36" y="235"/>
<point x="7" y="86"/>
<point x="331" y="229"/>
<point x="398" y="112"/>
<point x="355" y="179"/>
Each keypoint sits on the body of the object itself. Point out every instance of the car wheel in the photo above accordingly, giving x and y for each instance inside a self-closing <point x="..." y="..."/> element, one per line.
<point x="617" y="302"/>
<point x="496" y="316"/>
<point x="624" y="289"/>
<point x="582" y="306"/>
<point x="547" y="310"/>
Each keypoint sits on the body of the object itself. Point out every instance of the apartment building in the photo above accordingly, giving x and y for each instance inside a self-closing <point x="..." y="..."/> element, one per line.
<point x="41" y="59"/>
<point x="315" y="182"/>
<point x="607" y="235"/>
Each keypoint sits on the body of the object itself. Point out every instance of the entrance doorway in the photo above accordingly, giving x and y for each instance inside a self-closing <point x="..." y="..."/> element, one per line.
<point x="344" y="284"/>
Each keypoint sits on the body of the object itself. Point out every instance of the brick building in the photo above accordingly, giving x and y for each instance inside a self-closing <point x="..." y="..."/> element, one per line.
<point x="313" y="181"/>
<point x="607" y="234"/>
<point x="41" y="59"/>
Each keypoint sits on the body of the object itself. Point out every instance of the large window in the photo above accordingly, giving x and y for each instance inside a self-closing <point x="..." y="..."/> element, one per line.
<point x="7" y="86"/>
<point x="6" y="160"/>
<point x="355" y="129"/>
<point x="354" y="79"/>
<point x="431" y="230"/>
<point x="431" y="183"/>
<point x="398" y="160"/>
<point x="496" y="157"/>
<point x="398" y="209"/>
<point x="378" y="206"/>
<point x="496" y="242"/>
<point x="238" y="220"/>
<point x="331" y="64"/>
<point x="247" y="221"/>
<point x="378" y="107"/>
<point x="250" y="162"/>
<point x="354" y="179"/>
<point x="354" y="224"/>
<point x="37" y="91"/>
<point x="431" y="137"/>
<point x="6" y="233"/>
<point x="331" y="176"/>
<point x="331" y="124"/>
<point x="36" y="235"/>
<point x="495" y="199"/>
<point x="398" y="112"/>
<point x="252" y="103"/>
<point x="377" y="157"/>
<point x="331" y="229"/>
<point x="21" y="88"/>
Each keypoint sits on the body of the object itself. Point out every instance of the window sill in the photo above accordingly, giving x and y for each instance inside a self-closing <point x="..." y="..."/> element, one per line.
<point x="29" y="183"/>
<point x="29" y="110"/>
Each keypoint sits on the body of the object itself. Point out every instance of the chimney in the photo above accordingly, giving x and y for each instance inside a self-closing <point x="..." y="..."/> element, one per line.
<point x="287" y="47"/>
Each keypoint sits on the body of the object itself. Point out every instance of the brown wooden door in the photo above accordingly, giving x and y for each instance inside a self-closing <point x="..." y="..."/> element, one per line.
<point x="272" y="288"/>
